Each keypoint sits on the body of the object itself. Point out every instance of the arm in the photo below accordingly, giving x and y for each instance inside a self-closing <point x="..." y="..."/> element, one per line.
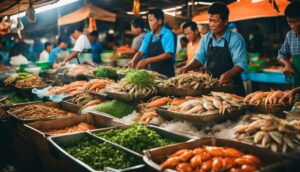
<point x="136" y="58"/>
<point x="289" y="97"/>
<point x="283" y="54"/>
<point x="143" y="63"/>
<point x="70" y="57"/>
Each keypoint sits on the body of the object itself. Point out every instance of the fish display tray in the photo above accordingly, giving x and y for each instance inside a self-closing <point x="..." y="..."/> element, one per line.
<point x="66" y="79"/>
<point x="272" y="161"/>
<point x="182" y="92"/>
<point x="126" y="97"/>
<point x="199" y="120"/>
<point x="101" y="95"/>
<point x="173" y="135"/>
<point x="57" y="142"/>
<point x="275" y="109"/>
<point x="48" y="104"/>
<point x="36" y="131"/>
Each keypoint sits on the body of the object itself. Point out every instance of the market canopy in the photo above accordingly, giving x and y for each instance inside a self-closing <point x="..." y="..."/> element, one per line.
<point x="247" y="9"/>
<point x="10" y="7"/>
<point x="85" y="12"/>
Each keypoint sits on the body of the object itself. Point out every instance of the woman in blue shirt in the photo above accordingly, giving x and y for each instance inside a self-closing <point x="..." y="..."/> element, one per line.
<point x="221" y="51"/>
<point x="158" y="47"/>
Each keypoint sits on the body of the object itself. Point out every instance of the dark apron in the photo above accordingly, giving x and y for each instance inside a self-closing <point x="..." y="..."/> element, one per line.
<point x="163" y="67"/>
<point x="219" y="61"/>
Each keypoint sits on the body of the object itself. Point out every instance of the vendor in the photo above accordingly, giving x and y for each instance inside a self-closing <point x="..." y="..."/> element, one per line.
<point x="192" y="33"/>
<point x="137" y="30"/>
<point x="82" y="51"/>
<point x="59" y="53"/>
<point x="158" y="47"/>
<point x="291" y="44"/>
<point x="96" y="46"/>
<point x="44" y="56"/>
<point x="222" y="51"/>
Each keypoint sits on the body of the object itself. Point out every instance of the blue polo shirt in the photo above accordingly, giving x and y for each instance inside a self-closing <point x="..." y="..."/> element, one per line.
<point x="96" y="51"/>
<point x="237" y="48"/>
<point x="52" y="55"/>
<point x="167" y="41"/>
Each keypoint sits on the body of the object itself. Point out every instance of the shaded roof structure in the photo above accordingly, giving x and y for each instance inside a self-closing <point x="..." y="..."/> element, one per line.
<point x="85" y="12"/>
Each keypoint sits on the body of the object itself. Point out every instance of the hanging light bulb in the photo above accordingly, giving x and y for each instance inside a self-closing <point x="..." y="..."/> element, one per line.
<point x="30" y="13"/>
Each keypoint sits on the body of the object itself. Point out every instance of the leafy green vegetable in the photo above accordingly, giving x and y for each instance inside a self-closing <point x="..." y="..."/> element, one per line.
<point x="137" y="137"/>
<point x="106" y="73"/>
<point x="116" y="108"/>
<point x="140" y="78"/>
<point x="100" y="155"/>
<point x="14" y="100"/>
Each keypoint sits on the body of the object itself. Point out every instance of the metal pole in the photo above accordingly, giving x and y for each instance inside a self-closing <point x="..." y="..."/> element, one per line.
<point x="187" y="9"/>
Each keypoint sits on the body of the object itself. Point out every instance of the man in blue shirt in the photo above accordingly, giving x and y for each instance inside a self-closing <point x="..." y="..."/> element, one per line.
<point x="58" y="54"/>
<point x="221" y="51"/>
<point x="158" y="46"/>
<point x="291" y="44"/>
<point x="96" y="47"/>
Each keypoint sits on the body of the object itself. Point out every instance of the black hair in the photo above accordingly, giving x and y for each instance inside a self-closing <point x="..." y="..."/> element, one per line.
<point x="47" y="44"/>
<point x="292" y="10"/>
<point x="219" y="8"/>
<point x="138" y="23"/>
<point x="184" y="39"/>
<point x="63" y="39"/>
<point x="94" y="33"/>
<point x="78" y="27"/>
<point x="158" y="14"/>
<point x="191" y="24"/>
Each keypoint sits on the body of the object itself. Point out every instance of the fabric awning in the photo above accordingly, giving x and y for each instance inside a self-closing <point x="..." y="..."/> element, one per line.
<point x="85" y="12"/>
<point x="10" y="7"/>
<point x="246" y="9"/>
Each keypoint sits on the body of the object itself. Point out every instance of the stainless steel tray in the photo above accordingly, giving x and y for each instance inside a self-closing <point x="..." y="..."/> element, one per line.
<point x="200" y="120"/>
<point x="155" y="157"/>
<point x="59" y="141"/>
<point x="178" y="137"/>
<point x="36" y="131"/>
<point x="127" y="97"/>
<point x="48" y="104"/>
<point x="101" y="95"/>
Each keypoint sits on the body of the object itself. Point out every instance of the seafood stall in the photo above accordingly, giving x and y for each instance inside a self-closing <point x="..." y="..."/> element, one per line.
<point x="126" y="121"/>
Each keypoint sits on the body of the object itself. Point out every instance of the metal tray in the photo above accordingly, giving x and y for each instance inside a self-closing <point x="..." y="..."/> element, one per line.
<point x="66" y="79"/>
<point x="101" y="95"/>
<point x="58" y="141"/>
<point x="127" y="97"/>
<point x="182" y="92"/>
<point x="155" y="157"/>
<point x="176" y="136"/>
<point x="36" y="130"/>
<point x="48" y="104"/>
<point x="275" y="109"/>
<point x="200" y="120"/>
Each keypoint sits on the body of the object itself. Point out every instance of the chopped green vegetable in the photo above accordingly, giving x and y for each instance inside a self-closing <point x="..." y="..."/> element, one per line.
<point x="15" y="100"/>
<point x="104" y="72"/>
<point x="116" y="108"/>
<point x="137" y="137"/>
<point x="140" y="78"/>
<point x="100" y="155"/>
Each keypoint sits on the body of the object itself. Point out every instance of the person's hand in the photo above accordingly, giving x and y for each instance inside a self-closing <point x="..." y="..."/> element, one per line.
<point x="142" y="64"/>
<point x="289" y="97"/>
<point x="55" y="66"/>
<point x="288" y="70"/>
<point x="62" y="63"/>
<point x="225" y="79"/>
<point x="130" y="64"/>
<point x="181" y="71"/>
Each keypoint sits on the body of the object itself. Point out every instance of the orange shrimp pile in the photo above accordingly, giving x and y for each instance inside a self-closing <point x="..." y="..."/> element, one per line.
<point x="269" y="98"/>
<point x="211" y="158"/>
<point x="96" y="85"/>
<point x="72" y="88"/>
